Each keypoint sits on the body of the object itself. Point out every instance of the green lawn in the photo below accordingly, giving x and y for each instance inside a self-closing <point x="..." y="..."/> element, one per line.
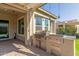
<point x="77" y="47"/>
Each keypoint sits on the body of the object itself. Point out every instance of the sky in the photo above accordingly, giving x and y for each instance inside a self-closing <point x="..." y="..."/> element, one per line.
<point x="66" y="11"/>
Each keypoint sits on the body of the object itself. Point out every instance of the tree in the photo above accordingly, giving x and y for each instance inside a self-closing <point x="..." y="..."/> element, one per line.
<point x="61" y="30"/>
<point x="70" y="30"/>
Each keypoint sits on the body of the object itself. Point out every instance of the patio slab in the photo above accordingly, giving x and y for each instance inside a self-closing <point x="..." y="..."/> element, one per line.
<point x="17" y="48"/>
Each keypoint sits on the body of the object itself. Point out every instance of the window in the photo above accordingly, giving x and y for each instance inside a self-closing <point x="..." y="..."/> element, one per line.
<point x="38" y="24"/>
<point x="46" y="24"/>
<point x="4" y="26"/>
<point x="42" y="24"/>
<point x="21" y="26"/>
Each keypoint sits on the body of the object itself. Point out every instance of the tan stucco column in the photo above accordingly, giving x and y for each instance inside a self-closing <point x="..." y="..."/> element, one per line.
<point x="25" y="28"/>
<point x="55" y="26"/>
<point x="28" y="21"/>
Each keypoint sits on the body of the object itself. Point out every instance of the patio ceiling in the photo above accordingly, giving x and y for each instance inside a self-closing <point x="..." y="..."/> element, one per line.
<point x="19" y="7"/>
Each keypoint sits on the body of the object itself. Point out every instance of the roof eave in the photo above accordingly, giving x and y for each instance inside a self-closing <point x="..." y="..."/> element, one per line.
<point x="52" y="15"/>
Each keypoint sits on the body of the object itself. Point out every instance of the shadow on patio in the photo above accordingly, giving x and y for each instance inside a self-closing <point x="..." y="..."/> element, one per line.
<point x="17" y="48"/>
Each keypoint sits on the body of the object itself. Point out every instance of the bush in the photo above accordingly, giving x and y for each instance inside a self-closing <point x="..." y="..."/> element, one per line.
<point x="70" y="30"/>
<point x="77" y="35"/>
<point x="61" y="30"/>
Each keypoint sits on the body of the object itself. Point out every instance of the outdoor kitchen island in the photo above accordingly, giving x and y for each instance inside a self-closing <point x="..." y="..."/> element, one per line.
<point x="54" y="44"/>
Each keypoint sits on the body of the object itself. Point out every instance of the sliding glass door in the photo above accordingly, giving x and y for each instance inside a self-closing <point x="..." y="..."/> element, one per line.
<point x="4" y="27"/>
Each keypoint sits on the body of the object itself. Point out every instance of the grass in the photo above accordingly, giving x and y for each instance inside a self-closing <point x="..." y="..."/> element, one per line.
<point x="77" y="47"/>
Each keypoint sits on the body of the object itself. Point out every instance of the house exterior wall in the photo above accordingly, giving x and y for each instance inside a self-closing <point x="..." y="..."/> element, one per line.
<point x="12" y="22"/>
<point x="19" y="36"/>
<point x="77" y="26"/>
<point x="52" y="20"/>
<point x="29" y="24"/>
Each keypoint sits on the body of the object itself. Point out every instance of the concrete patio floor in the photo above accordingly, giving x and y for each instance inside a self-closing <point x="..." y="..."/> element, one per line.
<point x="17" y="48"/>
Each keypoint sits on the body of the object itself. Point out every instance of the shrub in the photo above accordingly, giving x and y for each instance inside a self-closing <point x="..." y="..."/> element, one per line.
<point x="70" y="30"/>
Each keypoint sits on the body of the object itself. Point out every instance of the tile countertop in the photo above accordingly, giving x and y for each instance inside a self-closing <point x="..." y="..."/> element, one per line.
<point x="69" y="37"/>
<point x="64" y="36"/>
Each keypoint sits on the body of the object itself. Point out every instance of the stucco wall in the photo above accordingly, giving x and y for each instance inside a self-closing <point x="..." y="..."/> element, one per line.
<point x="12" y="23"/>
<point x="19" y="36"/>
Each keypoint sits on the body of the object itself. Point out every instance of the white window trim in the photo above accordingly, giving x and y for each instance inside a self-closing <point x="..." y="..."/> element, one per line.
<point x="36" y="13"/>
<point x="43" y="24"/>
<point x="17" y="26"/>
<point x="49" y="27"/>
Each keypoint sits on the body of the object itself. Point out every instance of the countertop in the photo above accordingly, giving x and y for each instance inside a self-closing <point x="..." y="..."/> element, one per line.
<point x="64" y="36"/>
<point x="69" y="37"/>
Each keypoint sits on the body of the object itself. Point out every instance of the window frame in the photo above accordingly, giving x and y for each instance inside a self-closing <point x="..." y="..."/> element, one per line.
<point x="43" y="16"/>
<point x="36" y="23"/>
<point x="22" y="17"/>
